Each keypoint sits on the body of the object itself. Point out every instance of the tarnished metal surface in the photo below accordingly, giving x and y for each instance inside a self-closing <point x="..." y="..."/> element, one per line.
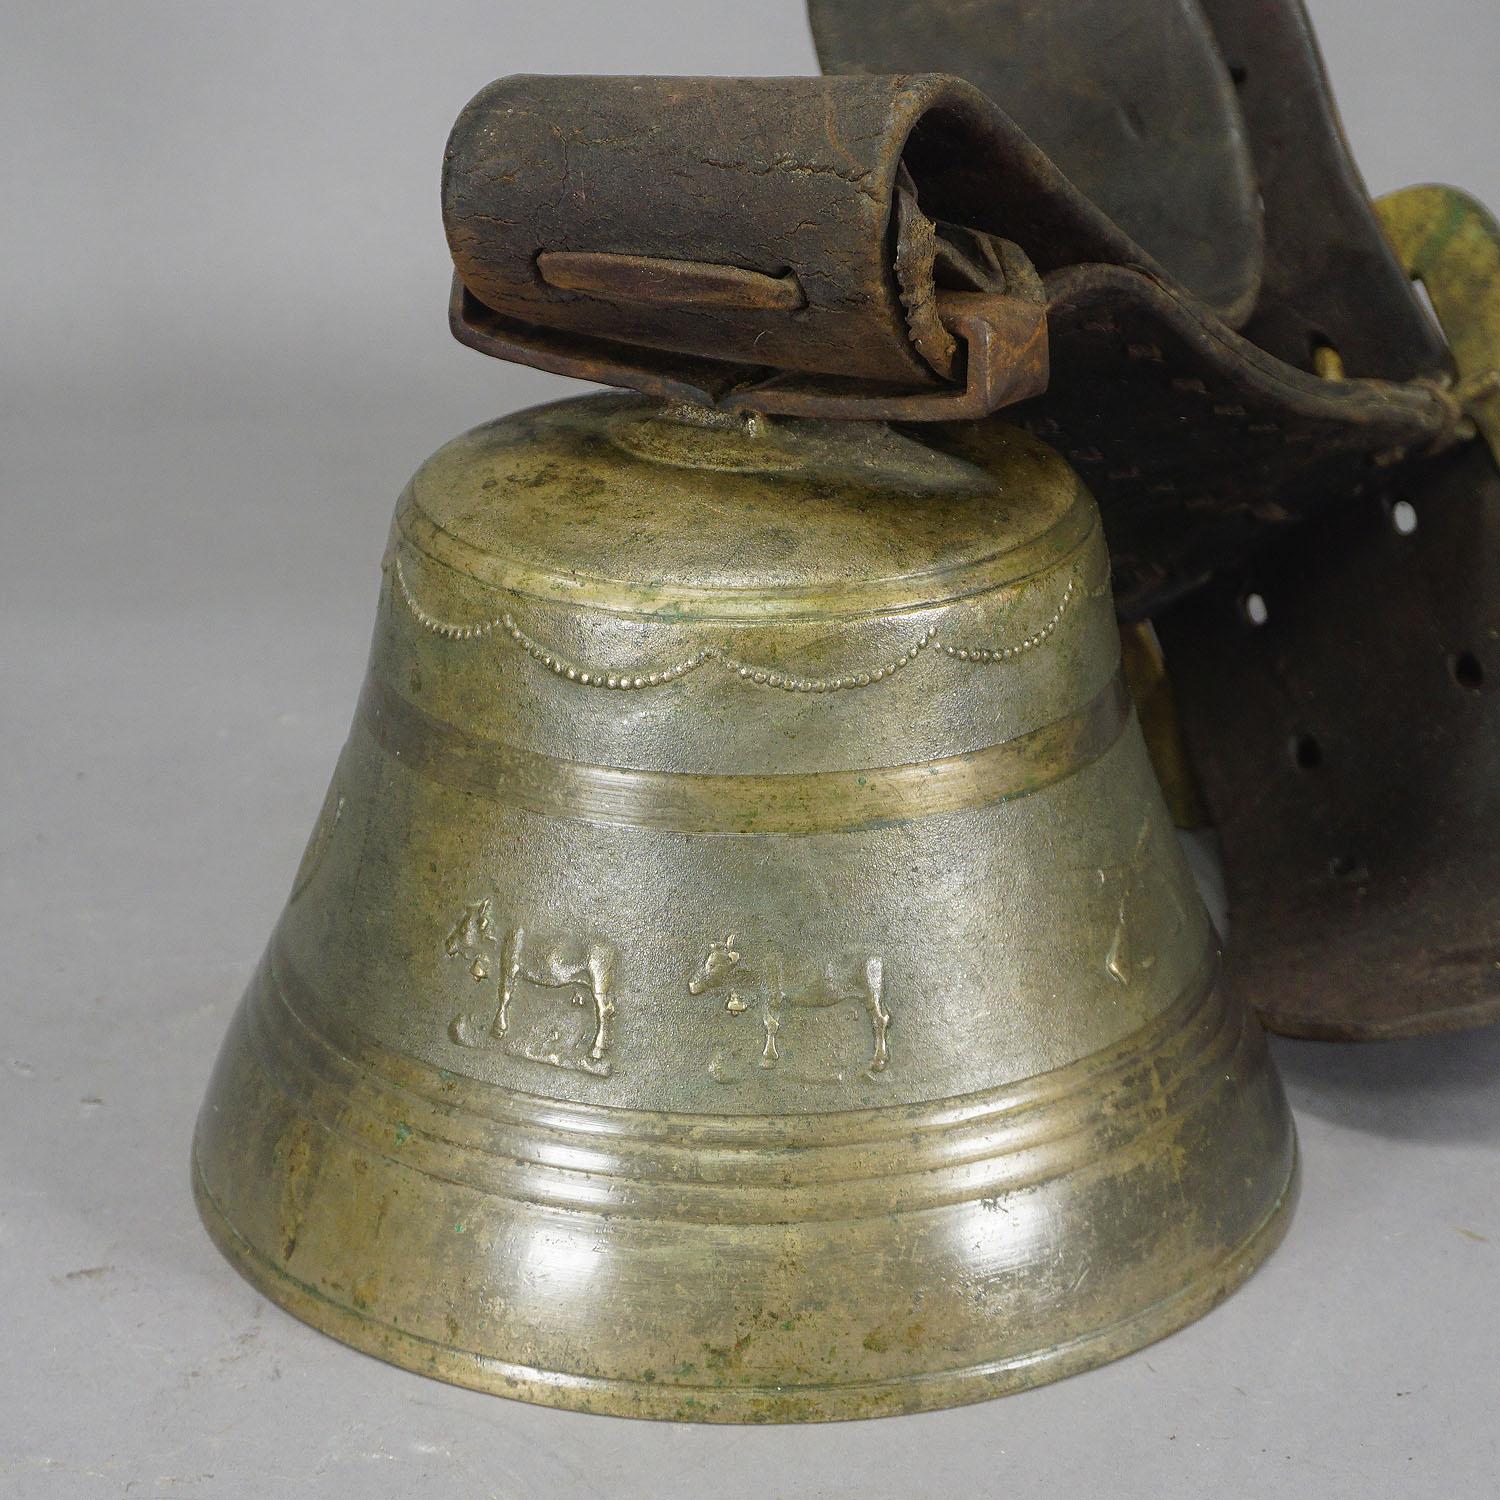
<point x="744" y="969"/>
<point x="1450" y="242"/>
<point x="1145" y="671"/>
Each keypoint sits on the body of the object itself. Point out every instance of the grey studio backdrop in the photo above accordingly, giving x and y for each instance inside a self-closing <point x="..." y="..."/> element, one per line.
<point x="224" y="351"/>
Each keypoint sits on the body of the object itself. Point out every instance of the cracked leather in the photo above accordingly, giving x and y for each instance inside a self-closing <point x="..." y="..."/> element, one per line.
<point x="734" y="241"/>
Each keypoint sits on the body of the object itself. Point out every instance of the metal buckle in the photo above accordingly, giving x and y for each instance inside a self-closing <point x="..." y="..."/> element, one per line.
<point x="1450" y="243"/>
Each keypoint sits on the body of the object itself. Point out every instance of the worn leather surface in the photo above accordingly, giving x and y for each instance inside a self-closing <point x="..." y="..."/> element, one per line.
<point x="769" y="175"/>
<point x="1329" y="275"/>
<point x="1210" y="131"/>
<point x="785" y="177"/>
<point x="1197" y="441"/>
<point x="1199" y="446"/>
<point x="1349" y="751"/>
<point x="1205" y="130"/>
<point x="1131" y="101"/>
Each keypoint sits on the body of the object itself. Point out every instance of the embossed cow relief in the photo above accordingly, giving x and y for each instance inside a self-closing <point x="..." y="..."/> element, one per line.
<point x="774" y="991"/>
<point x="532" y="978"/>
<point x="1125" y="958"/>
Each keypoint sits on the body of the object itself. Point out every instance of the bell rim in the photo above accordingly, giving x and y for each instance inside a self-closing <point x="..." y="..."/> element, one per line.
<point x="901" y="1395"/>
<point x="1240" y="1125"/>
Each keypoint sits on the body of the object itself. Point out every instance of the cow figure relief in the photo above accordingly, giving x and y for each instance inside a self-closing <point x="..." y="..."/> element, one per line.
<point x="580" y="968"/>
<point x="777" y="989"/>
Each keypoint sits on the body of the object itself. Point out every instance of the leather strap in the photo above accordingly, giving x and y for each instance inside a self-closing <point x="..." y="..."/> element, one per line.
<point x="1130" y="98"/>
<point x="1336" y="694"/>
<point x="899" y="247"/>
<point x="1207" y="131"/>
<point x="1330" y="277"/>
<point x="770" y="244"/>
<point x="1335" y="684"/>
<point x="1210" y="132"/>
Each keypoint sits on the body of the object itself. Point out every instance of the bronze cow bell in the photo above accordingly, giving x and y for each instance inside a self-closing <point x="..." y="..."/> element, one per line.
<point x="744" y="855"/>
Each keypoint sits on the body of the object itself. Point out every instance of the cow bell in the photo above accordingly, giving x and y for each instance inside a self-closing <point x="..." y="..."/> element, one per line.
<point x="743" y="968"/>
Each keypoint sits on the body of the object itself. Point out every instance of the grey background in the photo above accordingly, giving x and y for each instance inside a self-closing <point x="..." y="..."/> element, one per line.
<point x="224" y="349"/>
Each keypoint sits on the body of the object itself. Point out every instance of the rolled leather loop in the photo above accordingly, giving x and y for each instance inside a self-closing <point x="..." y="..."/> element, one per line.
<point x="791" y="180"/>
<point x="898" y="248"/>
<point x="751" y="227"/>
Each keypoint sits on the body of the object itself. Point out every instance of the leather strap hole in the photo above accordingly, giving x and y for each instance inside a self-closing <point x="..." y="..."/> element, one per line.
<point x="1467" y="671"/>
<point x="1307" y="753"/>
<point x="1404" y="517"/>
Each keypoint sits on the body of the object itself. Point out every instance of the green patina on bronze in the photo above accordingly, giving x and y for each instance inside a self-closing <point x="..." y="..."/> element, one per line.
<point x="1450" y="242"/>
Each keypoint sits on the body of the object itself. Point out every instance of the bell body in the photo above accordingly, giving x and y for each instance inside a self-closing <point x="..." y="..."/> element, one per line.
<point x="743" y="968"/>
